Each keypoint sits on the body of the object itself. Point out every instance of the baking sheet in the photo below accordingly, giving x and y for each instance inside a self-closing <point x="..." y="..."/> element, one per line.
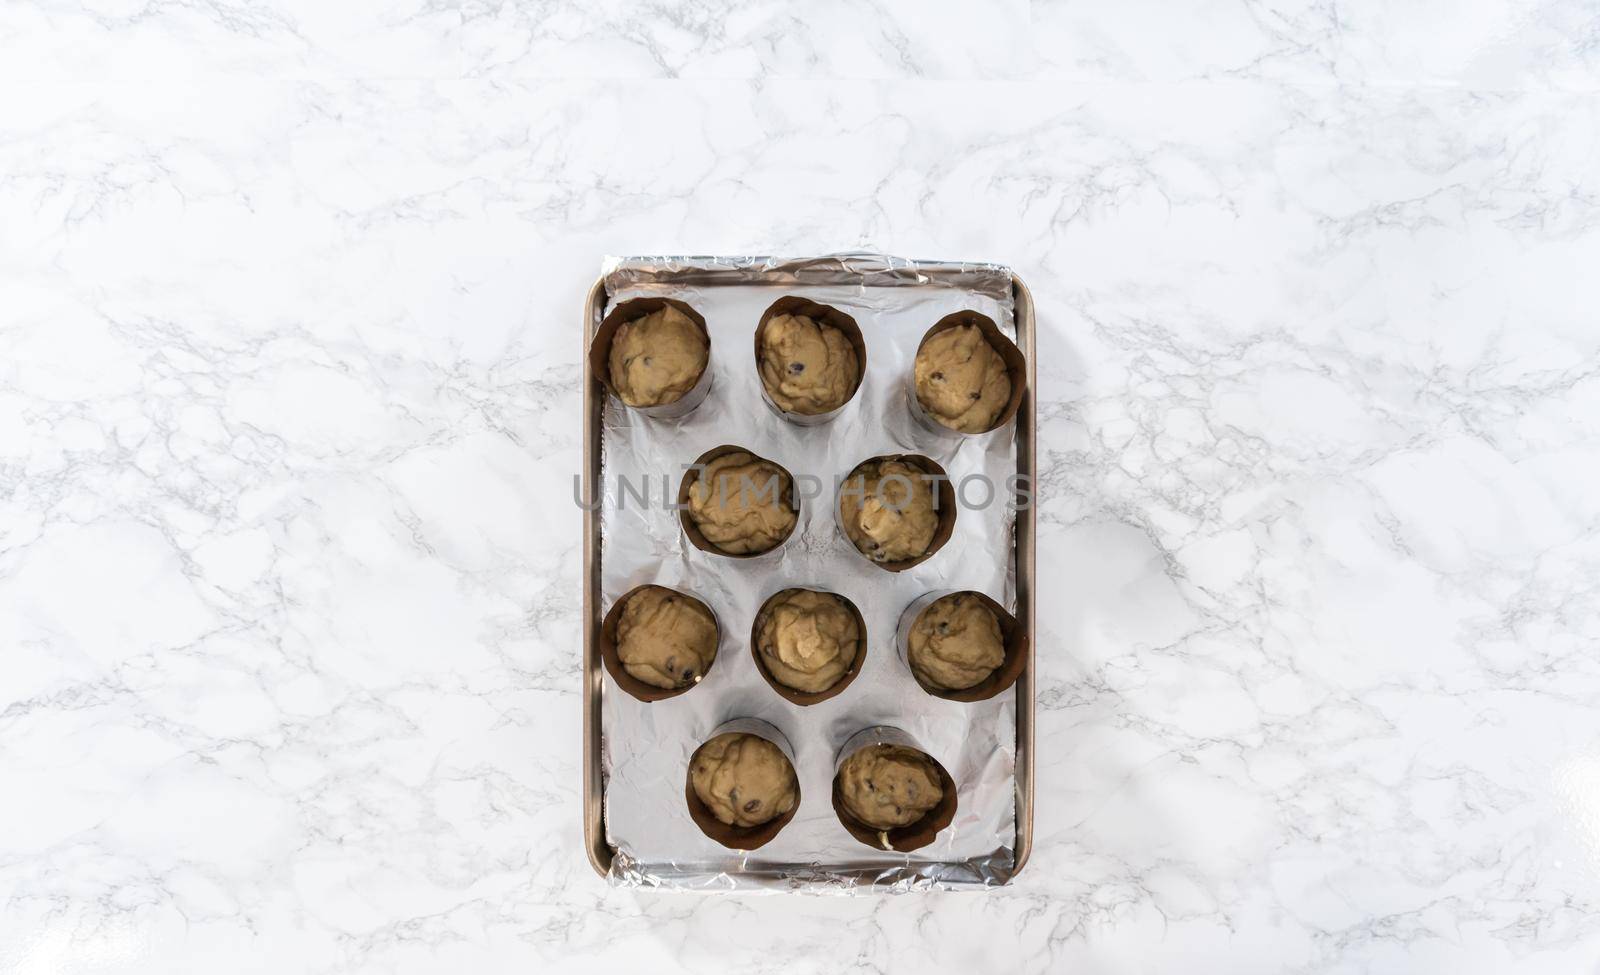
<point x="645" y="748"/>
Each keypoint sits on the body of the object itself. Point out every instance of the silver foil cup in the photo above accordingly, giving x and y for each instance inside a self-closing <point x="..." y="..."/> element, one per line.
<point x="740" y="837"/>
<point x="902" y="839"/>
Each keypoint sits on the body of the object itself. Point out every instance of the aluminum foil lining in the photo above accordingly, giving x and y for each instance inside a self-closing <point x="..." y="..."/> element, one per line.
<point x="646" y="747"/>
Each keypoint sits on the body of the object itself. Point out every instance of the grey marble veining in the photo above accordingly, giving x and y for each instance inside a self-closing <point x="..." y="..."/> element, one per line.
<point x="289" y="364"/>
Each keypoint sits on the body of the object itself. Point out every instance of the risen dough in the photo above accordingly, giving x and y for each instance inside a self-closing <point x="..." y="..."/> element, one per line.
<point x="887" y="510"/>
<point x="665" y="638"/>
<point x="743" y="779"/>
<point x="807" y="639"/>
<point x="886" y="786"/>
<point x="807" y="366"/>
<point x="742" y="504"/>
<point x="657" y="358"/>
<point x="955" y="643"/>
<point x="961" y="380"/>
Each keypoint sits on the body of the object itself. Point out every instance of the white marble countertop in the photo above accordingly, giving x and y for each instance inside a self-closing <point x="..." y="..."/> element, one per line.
<point x="289" y="602"/>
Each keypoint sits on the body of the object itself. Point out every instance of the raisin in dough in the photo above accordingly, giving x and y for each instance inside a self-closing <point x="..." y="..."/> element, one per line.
<point x="665" y="638"/>
<point x="807" y="366"/>
<point x="887" y="510"/>
<point x="657" y="358"/>
<point x="955" y="643"/>
<point x="888" y="786"/>
<point x="741" y="504"/>
<point x="961" y="380"/>
<point x="808" y="639"/>
<point x="743" y="779"/>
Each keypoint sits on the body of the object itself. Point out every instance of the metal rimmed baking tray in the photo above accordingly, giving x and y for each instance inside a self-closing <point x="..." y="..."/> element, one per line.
<point x="887" y="281"/>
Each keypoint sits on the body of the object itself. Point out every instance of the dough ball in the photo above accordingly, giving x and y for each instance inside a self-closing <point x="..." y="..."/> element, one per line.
<point x="807" y="639"/>
<point x="657" y="358"/>
<point x="887" y="509"/>
<point x="887" y="786"/>
<point x="665" y="638"/>
<point x="955" y="643"/>
<point x="742" y="504"/>
<point x="961" y="380"/>
<point x="807" y="366"/>
<point x="745" y="780"/>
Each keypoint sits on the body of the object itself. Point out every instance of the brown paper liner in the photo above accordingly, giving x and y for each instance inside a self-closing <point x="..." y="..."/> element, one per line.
<point x="740" y="837"/>
<point x="903" y="839"/>
<point x="627" y="311"/>
<point x="945" y="498"/>
<point x="1015" y="638"/>
<point x="804" y="698"/>
<point x="1016" y="369"/>
<point x="635" y="687"/>
<point x="828" y="315"/>
<point x="692" y="531"/>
